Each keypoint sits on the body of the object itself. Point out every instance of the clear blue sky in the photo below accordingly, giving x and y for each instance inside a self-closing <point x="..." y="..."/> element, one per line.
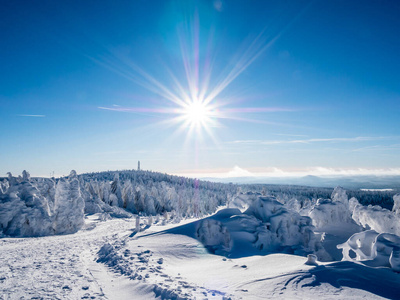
<point x="294" y="85"/>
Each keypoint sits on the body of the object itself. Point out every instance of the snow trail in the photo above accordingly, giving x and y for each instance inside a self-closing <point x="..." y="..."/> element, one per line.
<point x="56" y="267"/>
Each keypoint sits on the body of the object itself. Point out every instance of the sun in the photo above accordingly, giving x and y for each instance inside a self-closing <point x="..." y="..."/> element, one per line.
<point x="197" y="113"/>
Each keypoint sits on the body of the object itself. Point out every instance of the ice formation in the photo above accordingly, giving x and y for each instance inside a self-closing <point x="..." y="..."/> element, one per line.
<point x="373" y="248"/>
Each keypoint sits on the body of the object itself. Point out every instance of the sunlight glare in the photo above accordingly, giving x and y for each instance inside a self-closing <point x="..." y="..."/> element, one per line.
<point x="197" y="113"/>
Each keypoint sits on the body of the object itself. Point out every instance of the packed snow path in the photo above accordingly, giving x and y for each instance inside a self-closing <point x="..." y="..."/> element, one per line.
<point x="56" y="267"/>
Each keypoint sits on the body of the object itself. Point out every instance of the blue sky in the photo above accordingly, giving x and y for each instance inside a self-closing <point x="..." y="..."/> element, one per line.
<point x="286" y="86"/>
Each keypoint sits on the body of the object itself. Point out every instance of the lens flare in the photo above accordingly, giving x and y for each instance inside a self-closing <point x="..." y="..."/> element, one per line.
<point x="197" y="113"/>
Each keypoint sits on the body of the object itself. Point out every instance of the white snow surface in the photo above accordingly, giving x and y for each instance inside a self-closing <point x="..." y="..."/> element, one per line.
<point x="257" y="248"/>
<point x="111" y="260"/>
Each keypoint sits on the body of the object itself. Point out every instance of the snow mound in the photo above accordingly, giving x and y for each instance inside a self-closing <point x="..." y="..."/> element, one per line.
<point x="26" y="210"/>
<point x="374" y="249"/>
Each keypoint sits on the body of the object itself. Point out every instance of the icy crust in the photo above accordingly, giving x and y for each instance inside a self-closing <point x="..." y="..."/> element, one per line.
<point x="373" y="248"/>
<point x="26" y="210"/>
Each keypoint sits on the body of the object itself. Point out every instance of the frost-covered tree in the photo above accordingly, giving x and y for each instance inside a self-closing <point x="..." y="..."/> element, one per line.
<point x="396" y="205"/>
<point x="69" y="205"/>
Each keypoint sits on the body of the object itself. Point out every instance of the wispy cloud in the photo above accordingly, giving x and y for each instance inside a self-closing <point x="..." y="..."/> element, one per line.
<point x="314" y="140"/>
<point x="378" y="148"/>
<point x="288" y="134"/>
<point x="139" y="109"/>
<point x="33" y="116"/>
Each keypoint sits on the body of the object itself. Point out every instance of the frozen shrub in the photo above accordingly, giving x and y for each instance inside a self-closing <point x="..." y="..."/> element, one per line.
<point x="340" y="195"/>
<point x="396" y="204"/>
<point x="214" y="236"/>
<point x="26" y="210"/>
<point x="377" y="218"/>
<point x="326" y="213"/>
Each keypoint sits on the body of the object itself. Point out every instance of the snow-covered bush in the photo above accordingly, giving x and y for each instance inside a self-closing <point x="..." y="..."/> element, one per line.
<point x="377" y="218"/>
<point x="340" y="195"/>
<point x="353" y="202"/>
<point x="396" y="204"/>
<point x="214" y="236"/>
<point x="327" y="213"/>
<point x="26" y="210"/>
<point x="69" y="205"/>
<point x="151" y="193"/>
<point x="283" y="228"/>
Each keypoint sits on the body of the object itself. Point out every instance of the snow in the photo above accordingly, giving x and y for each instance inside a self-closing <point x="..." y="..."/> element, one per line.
<point x="26" y="210"/>
<point x="396" y="204"/>
<point x="377" y="218"/>
<point x="373" y="248"/>
<point x="150" y="238"/>
<point x="106" y="260"/>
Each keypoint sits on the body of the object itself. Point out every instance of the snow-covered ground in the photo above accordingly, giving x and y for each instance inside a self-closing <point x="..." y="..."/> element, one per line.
<point x="170" y="238"/>
<point x="109" y="260"/>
